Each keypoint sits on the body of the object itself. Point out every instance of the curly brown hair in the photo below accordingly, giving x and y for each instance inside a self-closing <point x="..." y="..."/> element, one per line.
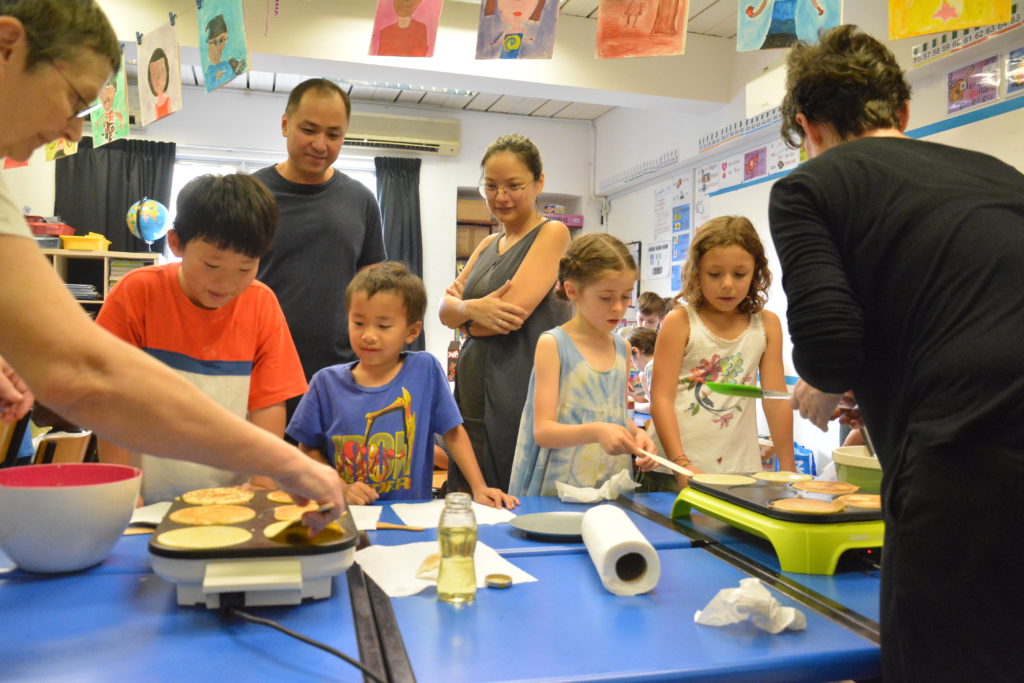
<point x="847" y="80"/>
<point x="726" y="231"/>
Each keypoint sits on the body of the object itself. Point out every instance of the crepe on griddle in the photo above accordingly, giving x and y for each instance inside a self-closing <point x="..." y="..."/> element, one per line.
<point x="288" y="513"/>
<point x="782" y="476"/>
<point x="811" y="506"/>
<point x="203" y="537"/>
<point x="279" y="497"/>
<point x="299" y="535"/>
<point x="213" y="514"/>
<point x="868" y="501"/>
<point x="217" y="496"/>
<point x="832" y="488"/>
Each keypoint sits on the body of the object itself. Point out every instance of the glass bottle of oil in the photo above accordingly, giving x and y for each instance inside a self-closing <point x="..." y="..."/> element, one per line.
<point x="456" y="580"/>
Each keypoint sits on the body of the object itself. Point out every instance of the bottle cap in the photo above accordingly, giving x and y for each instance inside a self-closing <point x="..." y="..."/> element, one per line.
<point x="498" y="580"/>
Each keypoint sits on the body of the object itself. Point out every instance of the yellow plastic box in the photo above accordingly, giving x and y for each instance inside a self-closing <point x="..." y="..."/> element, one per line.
<point x="90" y="242"/>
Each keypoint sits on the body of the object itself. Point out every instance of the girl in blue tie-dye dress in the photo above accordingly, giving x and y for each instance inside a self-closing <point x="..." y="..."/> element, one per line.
<point x="575" y="428"/>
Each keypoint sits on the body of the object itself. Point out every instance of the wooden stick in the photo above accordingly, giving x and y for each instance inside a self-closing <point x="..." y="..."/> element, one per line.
<point x="400" y="527"/>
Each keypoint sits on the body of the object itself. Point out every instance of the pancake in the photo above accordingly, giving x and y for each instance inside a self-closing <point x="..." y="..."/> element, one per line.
<point x="203" y="537"/>
<point x="299" y="535"/>
<point x="723" y="479"/>
<point x="429" y="567"/>
<point x="832" y="488"/>
<point x="287" y="513"/>
<point x="279" y="497"/>
<point x="217" y="496"/>
<point x="810" y="506"/>
<point x="867" y="501"/>
<point x="213" y="514"/>
<point x="782" y="476"/>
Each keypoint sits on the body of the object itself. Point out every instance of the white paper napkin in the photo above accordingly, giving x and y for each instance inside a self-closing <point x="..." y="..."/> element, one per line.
<point x="428" y="515"/>
<point x="750" y="601"/>
<point x="365" y="516"/>
<point x="150" y="514"/>
<point x="394" y="567"/>
<point x="620" y="483"/>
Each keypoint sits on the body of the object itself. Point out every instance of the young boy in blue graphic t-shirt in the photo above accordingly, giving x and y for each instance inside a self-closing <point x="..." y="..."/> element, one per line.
<point x="375" y="418"/>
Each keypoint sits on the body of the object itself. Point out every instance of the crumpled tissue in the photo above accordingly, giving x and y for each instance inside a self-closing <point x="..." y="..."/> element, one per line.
<point x="610" y="490"/>
<point x="750" y="601"/>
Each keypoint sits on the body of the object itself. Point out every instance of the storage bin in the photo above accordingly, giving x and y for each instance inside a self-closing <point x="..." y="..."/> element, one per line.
<point x="91" y="242"/>
<point x="856" y="466"/>
<point x="50" y="229"/>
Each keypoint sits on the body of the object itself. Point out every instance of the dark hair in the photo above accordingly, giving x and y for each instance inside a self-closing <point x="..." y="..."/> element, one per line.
<point x="591" y="256"/>
<point x="157" y="55"/>
<point x="491" y="6"/>
<point x="642" y="339"/>
<point x="56" y="29"/>
<point x="650" y="303"/>
<point x="234" y="211"/>
<point x="320" y="86"/>
<point x="847" y="80"/>
<point x="215" y="27"/>
<point x="522" y="147"/>
<point x="391" y="276"/>
<point x="726" y="231"/>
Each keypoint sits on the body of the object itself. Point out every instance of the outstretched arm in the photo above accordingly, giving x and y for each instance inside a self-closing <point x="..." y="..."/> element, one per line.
<point x="753" y="13"/>
<point x="461" y="449"/>
<point x="778" y="413"/>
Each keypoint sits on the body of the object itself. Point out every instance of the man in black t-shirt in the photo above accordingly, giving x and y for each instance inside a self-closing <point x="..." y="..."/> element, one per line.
<point x="330" y="226"/>
<point x="901" y="260"/>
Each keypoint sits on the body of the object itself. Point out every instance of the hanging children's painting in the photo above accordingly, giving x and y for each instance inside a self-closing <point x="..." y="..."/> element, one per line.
<point x="405" y="28"/>
<point x="159" y="74"/>
<point x="917" y="17"/>
<point x="765" y="24"/>
<point x="109" y="121"/>
<point x="222" y="32"/>
<point x="516" y="29"/>
<point x="60" y="148"/>
<point x="641" y="28"/>
<point x="1015" y="72"/>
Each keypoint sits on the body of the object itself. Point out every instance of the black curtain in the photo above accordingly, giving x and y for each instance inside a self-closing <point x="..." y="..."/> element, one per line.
<point x="95" y="187"/>
<point x="398" y="193"/>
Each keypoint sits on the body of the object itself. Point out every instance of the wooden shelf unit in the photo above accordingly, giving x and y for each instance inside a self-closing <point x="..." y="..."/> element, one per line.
<point x="77" y="266"/>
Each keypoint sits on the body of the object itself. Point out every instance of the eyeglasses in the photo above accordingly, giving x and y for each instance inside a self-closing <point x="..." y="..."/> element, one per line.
<point x="513" y="191"/>
<point x="219" y="41"/>
<point x="86" y="108"/>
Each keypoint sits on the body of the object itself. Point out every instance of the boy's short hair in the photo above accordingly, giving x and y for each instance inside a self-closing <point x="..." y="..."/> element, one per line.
<point x="650" y="303"/>
<point x="643" y="339"/>
<point x="234" y="211"/>
<point x="391" y="276"/>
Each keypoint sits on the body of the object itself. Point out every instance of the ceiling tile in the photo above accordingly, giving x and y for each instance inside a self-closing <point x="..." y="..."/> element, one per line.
<point x="580" y="8"/>
<point x="455" y="101"/>
<point x="434" y="99"/>
<point x="410" y="96"/>
<point x="361" y="92"/>
<point x="550" y="108"/>
<point x="261" y="80"/>
<point x="482" y="101"/>
<point x="385" y="94"/>
<point x="579" y="110"/>
<point x="286" y="82"/>
<point x="715" y="17"/>
<point x="506" y="104"/>
<point x="528" y="105"/>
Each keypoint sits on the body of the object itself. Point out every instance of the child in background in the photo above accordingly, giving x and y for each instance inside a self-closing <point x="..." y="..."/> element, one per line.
<point x="211" y="321"/>
<point x="641" y="356"/>
<point x="575" y="428"/>
<point x="721" y="335"/>
<point x="375" y="419"/>
<point x="650" y="310"/>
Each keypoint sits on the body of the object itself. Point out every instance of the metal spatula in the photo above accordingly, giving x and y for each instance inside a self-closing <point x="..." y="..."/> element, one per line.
<point x="745" y="390"/>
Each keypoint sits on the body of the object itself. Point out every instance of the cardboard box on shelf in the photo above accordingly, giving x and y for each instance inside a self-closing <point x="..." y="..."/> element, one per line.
<point x="473" y="211"/>
<point x="570" y="221"/>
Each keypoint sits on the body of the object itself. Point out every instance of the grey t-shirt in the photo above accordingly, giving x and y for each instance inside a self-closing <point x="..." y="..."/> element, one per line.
<point x="327" y="233"/>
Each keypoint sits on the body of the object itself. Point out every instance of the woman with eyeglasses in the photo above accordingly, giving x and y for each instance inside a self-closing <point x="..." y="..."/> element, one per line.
<point x="55" y="56"/>
<point x="503" y="300"/>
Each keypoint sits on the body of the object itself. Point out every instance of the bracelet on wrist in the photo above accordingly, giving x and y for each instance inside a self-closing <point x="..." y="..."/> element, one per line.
<point x="466" y="326"/>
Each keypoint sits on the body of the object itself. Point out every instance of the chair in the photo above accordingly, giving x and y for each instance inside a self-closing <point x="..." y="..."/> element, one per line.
<point x="62" y="447"/>
<point x="11" y="436"/>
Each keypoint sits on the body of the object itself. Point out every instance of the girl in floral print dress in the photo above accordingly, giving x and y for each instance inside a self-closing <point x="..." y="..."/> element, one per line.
<point x="722" y="334"/>
<point x="575" y="428"/>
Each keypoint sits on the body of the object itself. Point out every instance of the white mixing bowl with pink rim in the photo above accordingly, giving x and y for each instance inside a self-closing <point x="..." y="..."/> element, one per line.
<point x="64" y="517"/>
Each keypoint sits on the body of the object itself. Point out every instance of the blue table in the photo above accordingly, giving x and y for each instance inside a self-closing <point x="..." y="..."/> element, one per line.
<point x="567" y="626"/>
<point x="511" y="542"/>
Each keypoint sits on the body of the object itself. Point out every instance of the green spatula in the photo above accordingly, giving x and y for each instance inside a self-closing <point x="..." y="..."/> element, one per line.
<point x="745" y="390"/>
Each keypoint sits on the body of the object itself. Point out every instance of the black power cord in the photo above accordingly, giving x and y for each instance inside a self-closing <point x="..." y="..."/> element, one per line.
<point x="298" y="636"/>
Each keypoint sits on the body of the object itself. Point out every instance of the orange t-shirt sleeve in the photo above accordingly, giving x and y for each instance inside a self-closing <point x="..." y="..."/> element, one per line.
<point x="277" y="372"/>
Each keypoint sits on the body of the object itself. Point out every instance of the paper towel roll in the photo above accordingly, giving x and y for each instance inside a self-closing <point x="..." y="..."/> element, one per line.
<point x="626" y="562"/>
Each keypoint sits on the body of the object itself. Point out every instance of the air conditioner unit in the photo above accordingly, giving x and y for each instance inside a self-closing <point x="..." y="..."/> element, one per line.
<point x="409" y="133"/>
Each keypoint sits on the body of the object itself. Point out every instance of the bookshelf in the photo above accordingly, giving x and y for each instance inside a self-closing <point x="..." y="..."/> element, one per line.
<point x="95" y="271"/>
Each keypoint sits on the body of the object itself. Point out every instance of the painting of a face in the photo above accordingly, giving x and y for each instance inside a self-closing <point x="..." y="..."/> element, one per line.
<point x="215" y="47"/>
<point x="405" y="8"/>
<point x="107" y="96"/>
<point x="515" y="12"/>
<point x="158" y="76"/>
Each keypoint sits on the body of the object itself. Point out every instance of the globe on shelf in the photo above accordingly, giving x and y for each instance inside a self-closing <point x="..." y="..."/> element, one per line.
<point x="147" y="220"/>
